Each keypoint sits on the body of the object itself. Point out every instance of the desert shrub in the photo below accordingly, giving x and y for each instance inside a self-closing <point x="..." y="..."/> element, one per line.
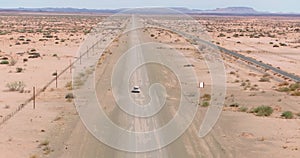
<point x="19" y="69"/>
<point x="283" y="89"/>
<point x="232" y="72"/>
<point x="287" y="115"/>
<point x="283" y="83"/>
<point x="266" y="75"/>
<point x="235" y="35"/>
<point x="243" y="109"/>
<point x="44" y="143"/>
<point x="243" y="84"/>
<point x="69" y="96"/>
<point x="296" y="93"/>
<point x="33" y="156"/>
<point x="69" y="85"/>
<point x="275" y="45"/>
<point x="16" y="86"/>
<point x="294" y="86"/>
<point x="206" y="97"/>
<point x="282" y="44"/>
<point x="221" y="35"/>
<point x="4" y="62"/>
<point x="86" y="32"/>
<point x="264" y="79"/>
<point x="234" y="105"/>
<point x="205" y="104"/>
<point x="263" y="110"/>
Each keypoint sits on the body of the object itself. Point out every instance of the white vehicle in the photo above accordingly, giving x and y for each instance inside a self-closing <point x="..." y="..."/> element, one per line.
<point x="136" y="89"/>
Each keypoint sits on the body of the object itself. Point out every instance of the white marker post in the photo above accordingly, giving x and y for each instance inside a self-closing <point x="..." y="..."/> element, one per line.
<point x="201" y="85"/>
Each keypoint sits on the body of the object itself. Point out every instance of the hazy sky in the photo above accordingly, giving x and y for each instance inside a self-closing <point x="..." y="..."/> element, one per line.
<point x="261" y="5"/>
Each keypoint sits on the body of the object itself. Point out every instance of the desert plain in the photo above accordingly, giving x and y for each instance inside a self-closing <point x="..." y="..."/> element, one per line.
<point x="261" y="113"/>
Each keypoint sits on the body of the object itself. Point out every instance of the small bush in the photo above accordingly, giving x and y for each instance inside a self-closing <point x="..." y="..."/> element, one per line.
<point x="243" y="84"/>
<point x="69" y="96"/>
<point x="205" y="104"/>
<point x="44" y="143"/>
<point x="221" y="35"/>
<point x="263" y="110"/>
<point x="33" y="156"/>
<point x="283" y="89"/>
<point x="287" y="115"/>
<point x="283" y="83"/>
<point x="4" y="62"/>
<point x="282" y="44"/>
<point x="69" y="85"/>
<point x="234" y="105"/>
<point x="16" y="86"/>
<point x="232" y="72"/>
<point x="294" y="86"/>
<point x="19" y="69"/>
<point x="206" y="97"/>
<point x="296" y="93"/>
<point x="264" y="79"/>
<point x="243" y="109"/>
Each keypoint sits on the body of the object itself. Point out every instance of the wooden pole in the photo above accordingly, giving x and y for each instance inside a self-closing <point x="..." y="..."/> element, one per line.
<point x="33" y="97"/>
<point x="56" y="79"/>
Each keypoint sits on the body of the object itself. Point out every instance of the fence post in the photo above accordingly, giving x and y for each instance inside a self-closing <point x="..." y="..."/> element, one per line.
<point x="56" y="79"/>
<point x="33" y="97"/>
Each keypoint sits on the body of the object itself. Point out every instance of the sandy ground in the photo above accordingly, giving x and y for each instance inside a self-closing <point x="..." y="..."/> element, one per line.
<point x="242" y="133"/>
<point x="43" y="131"/>
<point x="27" y="133"/>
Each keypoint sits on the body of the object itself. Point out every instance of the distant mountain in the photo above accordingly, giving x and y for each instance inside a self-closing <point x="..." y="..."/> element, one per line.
<point x="63" y="10"/>
<point x="234" y="10"/>
<point x="222" y="11"/>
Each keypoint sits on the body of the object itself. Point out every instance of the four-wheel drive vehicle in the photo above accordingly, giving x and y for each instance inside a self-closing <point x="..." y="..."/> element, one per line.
<point x="136" y="89"/>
